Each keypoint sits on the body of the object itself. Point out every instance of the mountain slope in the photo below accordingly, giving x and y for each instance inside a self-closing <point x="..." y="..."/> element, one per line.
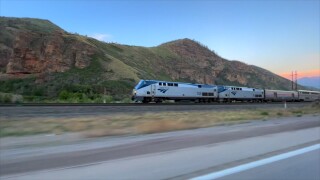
<point x="310" y="81"/>
<point x="42" y="61"/>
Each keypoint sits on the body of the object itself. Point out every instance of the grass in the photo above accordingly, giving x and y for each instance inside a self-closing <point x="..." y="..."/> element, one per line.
<point x="32" y="24"/>
<point x="122" y="70"/>
<point x="109" y="125"/>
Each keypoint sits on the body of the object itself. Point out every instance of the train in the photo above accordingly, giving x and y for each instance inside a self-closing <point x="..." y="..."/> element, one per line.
<point x="156" y="91"/>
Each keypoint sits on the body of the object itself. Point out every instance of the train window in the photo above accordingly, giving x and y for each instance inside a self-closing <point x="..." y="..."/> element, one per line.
<point x="254" y="90"/>
<point x="148" y="92"/>
<point x="204" y="94"/>
<point x="237" y="88"/>
<point x="240" y="89"/>
<point x="175" y="84"/>
<point x="170" y="84"/>
<point x="215" y="90"/>
<point x="210" y="94"/>
<point x="199" y="86"/>
<point x="164" y="84"/>
<point x="160" y="84"/>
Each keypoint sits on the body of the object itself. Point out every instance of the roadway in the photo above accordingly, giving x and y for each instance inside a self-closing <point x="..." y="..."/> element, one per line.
<point x="69" y="110"/>
<point x="304" y="166"/>
<point x="175" y="155"/>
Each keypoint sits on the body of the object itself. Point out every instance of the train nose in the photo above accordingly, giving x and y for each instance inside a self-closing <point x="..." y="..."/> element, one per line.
<point x="134" y="93"/>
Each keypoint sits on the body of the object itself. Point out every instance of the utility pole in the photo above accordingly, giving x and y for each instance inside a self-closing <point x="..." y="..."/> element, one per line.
<point x="296" y="74"/>
<point x="104" y="92"/>
<point x="291" y="80"/>
<point x="294" y="80"/>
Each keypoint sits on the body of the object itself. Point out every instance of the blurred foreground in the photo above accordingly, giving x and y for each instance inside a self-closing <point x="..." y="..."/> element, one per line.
<point x="140" y="123"/>
<point x="172" y="155"/>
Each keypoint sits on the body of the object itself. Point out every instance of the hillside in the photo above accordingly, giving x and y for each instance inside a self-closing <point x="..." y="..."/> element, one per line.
<point x="41" y="61"/>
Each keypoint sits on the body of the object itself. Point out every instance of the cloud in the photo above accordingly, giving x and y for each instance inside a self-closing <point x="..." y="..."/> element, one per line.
<point x="101" y="37"/>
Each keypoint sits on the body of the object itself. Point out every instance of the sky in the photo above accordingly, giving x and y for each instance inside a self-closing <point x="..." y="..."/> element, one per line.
<point x="279" y="35"/>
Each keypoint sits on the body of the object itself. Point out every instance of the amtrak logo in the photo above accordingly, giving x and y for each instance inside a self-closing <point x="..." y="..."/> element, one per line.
<point x="163" y="90"/>
<point x="233" y="92"/>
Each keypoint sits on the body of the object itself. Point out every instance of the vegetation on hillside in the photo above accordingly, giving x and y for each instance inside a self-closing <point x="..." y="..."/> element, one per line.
<point x="75" y="85"/>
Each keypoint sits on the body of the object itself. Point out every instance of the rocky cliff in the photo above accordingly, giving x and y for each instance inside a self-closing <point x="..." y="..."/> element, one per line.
<point x="31" y="46"/>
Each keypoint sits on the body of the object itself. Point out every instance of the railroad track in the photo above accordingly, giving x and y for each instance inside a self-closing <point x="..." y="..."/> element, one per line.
<point x="13" y="111"/>
<point x="142" y="104"/>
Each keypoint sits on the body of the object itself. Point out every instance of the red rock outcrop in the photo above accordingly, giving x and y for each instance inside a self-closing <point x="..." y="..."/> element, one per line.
<point x="31" y="52"/>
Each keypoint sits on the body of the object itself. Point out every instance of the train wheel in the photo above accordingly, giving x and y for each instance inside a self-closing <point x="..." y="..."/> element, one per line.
<point x="145" y="100"/>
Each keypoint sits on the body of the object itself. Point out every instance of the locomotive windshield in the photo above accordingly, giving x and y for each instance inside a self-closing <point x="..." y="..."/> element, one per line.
<point x="144" y="83"/>
<point x="140" y="84"/>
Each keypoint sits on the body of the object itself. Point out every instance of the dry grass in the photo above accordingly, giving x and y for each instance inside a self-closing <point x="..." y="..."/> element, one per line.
<point x="161" y="126"/>
<point x="96" y="126"/>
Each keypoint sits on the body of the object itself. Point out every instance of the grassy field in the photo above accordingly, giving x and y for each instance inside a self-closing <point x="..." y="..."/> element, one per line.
<point x="96" y="126"/>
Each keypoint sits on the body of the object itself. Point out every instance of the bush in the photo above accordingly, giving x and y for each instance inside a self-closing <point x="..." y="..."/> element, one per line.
<point x="5" y="98"/>
<point x="63" y="95"/>
<point x="107" y="99"/>
<point x="264" y="113"/>
<point x="39" y="91"/>
<point x="127" y="100"/>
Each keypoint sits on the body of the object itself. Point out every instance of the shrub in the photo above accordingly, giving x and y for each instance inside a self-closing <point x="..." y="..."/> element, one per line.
<point x="63" y="95"/>
<point x="264" y="113"/>
<point x="107" y="99"/>
<point x="39" y="91"/>
<point x="127" y="100"/>
<point x="5" y="98"/>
